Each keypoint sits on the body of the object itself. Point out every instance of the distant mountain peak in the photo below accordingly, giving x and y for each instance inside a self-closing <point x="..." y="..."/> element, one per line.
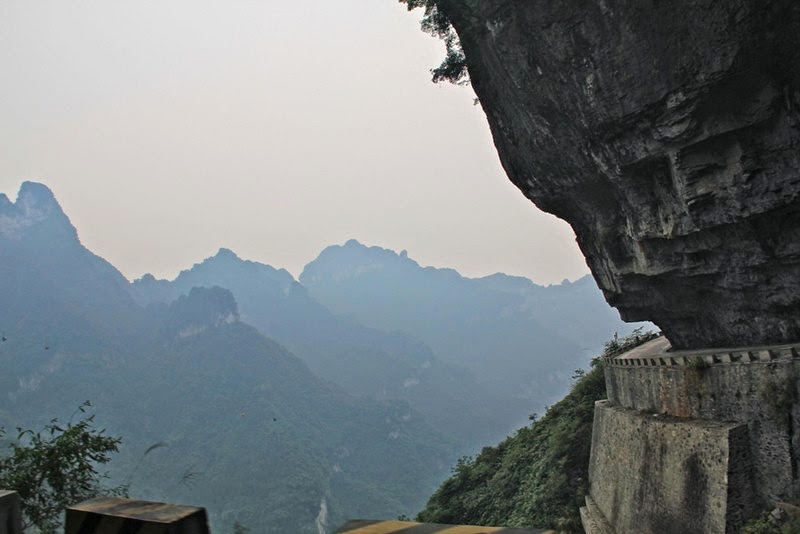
<point x="357" y="249"/>
<point x="37" y="201"/>
<point x="36" y="191"/>
<point x="226" y="253"/>
<point x="226" y="258"/>
<point x="225" y="269"/>
<point x="354" y="259"/>
<point x="35" y="204"/>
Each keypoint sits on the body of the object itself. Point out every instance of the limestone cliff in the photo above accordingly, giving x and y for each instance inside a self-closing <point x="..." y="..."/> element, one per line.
<point x="667" y="135"/>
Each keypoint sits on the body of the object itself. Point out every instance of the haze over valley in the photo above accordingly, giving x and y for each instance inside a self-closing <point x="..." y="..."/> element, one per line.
<point x="348" y="393"/>
<point x="169" y="130"/>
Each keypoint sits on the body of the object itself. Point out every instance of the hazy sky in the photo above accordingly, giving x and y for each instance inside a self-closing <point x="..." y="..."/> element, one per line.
<point x="170" y="128"/>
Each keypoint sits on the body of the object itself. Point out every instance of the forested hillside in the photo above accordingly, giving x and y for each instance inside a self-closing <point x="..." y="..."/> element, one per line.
<point x="537" y="477"/>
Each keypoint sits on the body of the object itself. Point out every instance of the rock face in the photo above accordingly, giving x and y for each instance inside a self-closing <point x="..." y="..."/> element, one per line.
<point x="668" y="135"/>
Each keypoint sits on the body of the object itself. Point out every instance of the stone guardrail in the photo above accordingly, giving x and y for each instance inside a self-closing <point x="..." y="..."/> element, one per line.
<point x="656" y="353"/>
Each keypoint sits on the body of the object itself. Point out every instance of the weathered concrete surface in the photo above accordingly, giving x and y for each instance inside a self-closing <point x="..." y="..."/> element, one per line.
<point x="593" y="520"/>
<point x="113" y="515"/>
<point x="743" y="403"/>
<point x="653" y="474"/>
<point x="755" y="386"/>
<point x="667" y="135"/>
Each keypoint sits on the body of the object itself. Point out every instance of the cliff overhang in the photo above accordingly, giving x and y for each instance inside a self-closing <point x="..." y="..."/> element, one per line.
<point x="667" y="135"/>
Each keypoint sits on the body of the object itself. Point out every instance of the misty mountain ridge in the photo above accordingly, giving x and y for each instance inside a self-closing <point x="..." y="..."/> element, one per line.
<point x="377" y="323"/>
<point x="225" y="265"/>
<point x="365" y="361"/>
<point x="517" y="337"/>
<point x="239" y="413"/>
<point x="503" y="346"/>
<point x="44" y="267"/>
<point x="398" y="372"/>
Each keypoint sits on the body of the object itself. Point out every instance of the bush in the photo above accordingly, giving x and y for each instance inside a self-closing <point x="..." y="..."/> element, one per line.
<point x="435" y="22"/>
<point x="56" y="468"/>
<point x="539" y="476"/>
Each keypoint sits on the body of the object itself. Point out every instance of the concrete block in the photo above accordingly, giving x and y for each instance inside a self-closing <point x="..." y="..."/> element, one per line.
<point x="10" y="515"/>
<point x="111" y="515"/>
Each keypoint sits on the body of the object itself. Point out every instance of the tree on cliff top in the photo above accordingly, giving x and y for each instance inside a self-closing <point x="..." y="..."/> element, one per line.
<point x="435" y="22"/>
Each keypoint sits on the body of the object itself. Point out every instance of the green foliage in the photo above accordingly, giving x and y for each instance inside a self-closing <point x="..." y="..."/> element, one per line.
<point x="539" y="476"/>
<point x="767" y="523"/>
<point x="534" y="478"/>
<point x="56" y="468"/>
<point x="435" y="22"/>
<point x="616" y="345"/>
<point x="698" y="364"/>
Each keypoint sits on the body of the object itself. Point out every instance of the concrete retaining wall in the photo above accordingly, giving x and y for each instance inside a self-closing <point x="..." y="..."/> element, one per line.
<point x="718" y="427"/>
<point x="756" y="387"/>
<point x="653" y="474"/>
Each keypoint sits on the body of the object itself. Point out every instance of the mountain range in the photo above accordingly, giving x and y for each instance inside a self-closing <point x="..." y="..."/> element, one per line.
<point x="247" y="429"/>
<point x="283" y="404"/>
<point x="519" y="338"/>
<point x="364" y="361"/>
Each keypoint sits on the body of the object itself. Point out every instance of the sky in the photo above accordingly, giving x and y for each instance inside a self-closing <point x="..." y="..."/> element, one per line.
<point x="170" y="128"/>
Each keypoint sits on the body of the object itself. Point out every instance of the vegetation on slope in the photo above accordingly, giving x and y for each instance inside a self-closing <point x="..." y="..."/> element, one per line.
<point x="783" y="519"/>
<point x="538" y="477"/>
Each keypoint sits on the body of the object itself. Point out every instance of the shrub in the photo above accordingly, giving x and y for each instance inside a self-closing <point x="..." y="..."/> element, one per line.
<point x="435" y="22"/>
<point x="57" y="467"/>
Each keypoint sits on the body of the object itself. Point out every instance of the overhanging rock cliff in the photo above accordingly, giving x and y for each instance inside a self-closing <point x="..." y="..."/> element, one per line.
<point x="668" y="135"/>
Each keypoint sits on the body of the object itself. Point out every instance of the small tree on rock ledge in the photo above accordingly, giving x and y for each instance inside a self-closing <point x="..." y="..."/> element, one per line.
<point x="435" y="22"/>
